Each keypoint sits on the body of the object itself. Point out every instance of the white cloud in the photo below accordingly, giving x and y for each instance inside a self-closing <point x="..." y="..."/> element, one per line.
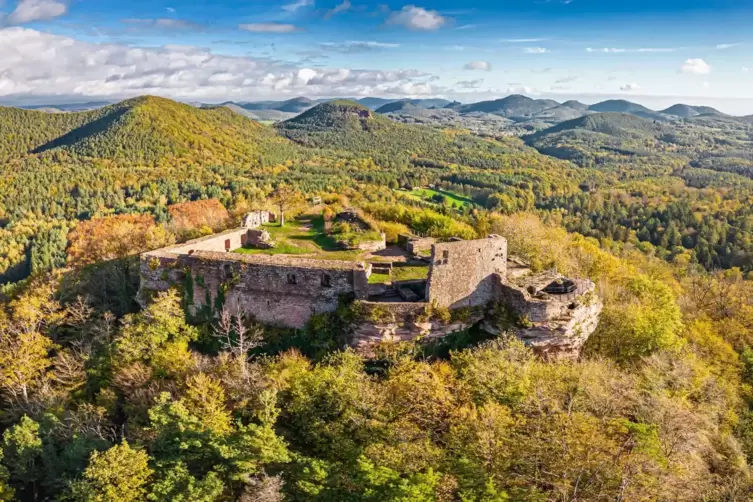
<point x="657" y="49"/>
<point x="523" y="40"/>
<point x="696" y="66"/>
<point x="34" y="63"/>
<point x="269" y="27"/>
<point x="606" y="49"/>
<point x="705" y="85"/>
<point x="535" y="50"/>
<point x="630" y="87"/>
<point x="417" y="18"/>
<point x="618" y="50"/>
<point x="170" y="10"/>
<point x="745" y="69"/>
<point x="338" y="9"/>
<point x="470" y="84"/>
<point x="298" y="4"/>
<point x="28" y="11"/>
<point x="726" y="46"/>
<point x="478" y="65"/>
<point x="355" y="46"/>
<point x="522" y="89"/>
<point x="566" y="80"/>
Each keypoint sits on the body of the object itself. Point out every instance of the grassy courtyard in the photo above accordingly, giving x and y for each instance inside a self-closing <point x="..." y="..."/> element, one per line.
<point x="304" y="236"/>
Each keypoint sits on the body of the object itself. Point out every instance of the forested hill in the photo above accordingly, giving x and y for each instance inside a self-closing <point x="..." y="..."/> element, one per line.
<point x="610" y="123"/>
<point x="353" y="128"/>
<point x="141" y="130"/>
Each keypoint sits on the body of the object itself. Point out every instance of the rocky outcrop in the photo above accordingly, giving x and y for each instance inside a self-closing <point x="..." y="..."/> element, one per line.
<point x="405" y="322"/>
<point x="555" y="326"/>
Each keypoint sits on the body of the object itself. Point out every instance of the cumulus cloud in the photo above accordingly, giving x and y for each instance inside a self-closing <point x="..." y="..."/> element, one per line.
<point x="478" y="65"/>
<point x="269" y="27"/>
<point x="696" y="66"/>
<point x="630" y="87"/>
<point x="41" y="64"/>
<point x="339" y="8"/>
<point x="535" y="50"/>
<point x="354" y="46"/>
<point x="522" y="89"/>
<point x="417" y="18"/>
<point x="28" y="11"/>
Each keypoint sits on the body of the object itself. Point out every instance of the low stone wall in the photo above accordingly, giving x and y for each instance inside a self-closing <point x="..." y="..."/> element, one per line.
<point x="222" y="242"/>
<point x="370" y="246"/>
<point x="420" y="245"/>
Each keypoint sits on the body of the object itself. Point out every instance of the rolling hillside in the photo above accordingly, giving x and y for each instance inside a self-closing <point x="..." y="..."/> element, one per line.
<point x="143" y="130"/>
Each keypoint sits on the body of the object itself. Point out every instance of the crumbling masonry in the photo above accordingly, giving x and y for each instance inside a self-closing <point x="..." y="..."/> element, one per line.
<point x="468" y="284"/>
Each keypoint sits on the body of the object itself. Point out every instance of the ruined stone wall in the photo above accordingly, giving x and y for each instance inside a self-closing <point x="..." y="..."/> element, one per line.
<point x="222" y="242"/>
<point x="275" y="290"/>
<point x="255" y="219"/>
<point x="467" y="273"/>
<point x="420" y="245"/>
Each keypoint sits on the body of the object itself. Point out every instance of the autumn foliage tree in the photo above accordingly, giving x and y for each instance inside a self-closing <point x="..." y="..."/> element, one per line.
<point x="114" y="237"/>
<point x="198" y="217"/>
<point x="285" y="198"/>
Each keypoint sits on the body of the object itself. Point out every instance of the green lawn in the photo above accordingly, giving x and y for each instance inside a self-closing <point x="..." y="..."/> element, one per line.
<point x="427" y="193"/>
<point x="304" y="236"/>
<point x="380" y="279"/>
<point x="410" y="273"/>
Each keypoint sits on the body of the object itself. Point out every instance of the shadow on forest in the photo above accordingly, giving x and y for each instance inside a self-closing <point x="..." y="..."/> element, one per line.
<point x="92" y="128"/>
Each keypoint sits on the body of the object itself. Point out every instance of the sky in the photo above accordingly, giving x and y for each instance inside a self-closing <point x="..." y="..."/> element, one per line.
<point x="655" y="52"/>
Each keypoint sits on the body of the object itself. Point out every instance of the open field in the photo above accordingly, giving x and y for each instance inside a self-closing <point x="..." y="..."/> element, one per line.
<point x="426" y="194"/>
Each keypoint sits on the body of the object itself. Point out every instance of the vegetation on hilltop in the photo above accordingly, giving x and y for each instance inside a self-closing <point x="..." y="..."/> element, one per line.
<point x="658" y="408"/>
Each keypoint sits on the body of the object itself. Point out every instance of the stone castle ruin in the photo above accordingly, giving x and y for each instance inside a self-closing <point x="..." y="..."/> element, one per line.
<point x="469" y="283"/>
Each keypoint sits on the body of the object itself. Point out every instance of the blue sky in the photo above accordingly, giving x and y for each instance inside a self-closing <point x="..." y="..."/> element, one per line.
<point x="654" y="52"/>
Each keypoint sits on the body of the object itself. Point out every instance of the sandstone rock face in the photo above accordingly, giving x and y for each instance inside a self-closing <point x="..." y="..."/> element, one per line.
<point x="406" y="325"/>
<point x="555" y="325"/>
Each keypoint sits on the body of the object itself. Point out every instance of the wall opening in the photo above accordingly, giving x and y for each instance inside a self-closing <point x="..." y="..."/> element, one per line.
<point x="326" y="281"/>
<point x="227" y="244"/>
<point x="292" y="279"/>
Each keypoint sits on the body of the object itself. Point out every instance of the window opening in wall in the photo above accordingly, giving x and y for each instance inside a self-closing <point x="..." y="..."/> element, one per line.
<point x="445" y="256"/>
<point x="326" y="281"/>
<point x="227" y="244"/>
<point x="292" y="279"/>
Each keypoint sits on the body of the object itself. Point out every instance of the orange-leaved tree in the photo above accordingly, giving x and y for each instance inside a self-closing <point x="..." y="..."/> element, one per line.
<point x="198" y="217"/>
<point x="113" y="237"/>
